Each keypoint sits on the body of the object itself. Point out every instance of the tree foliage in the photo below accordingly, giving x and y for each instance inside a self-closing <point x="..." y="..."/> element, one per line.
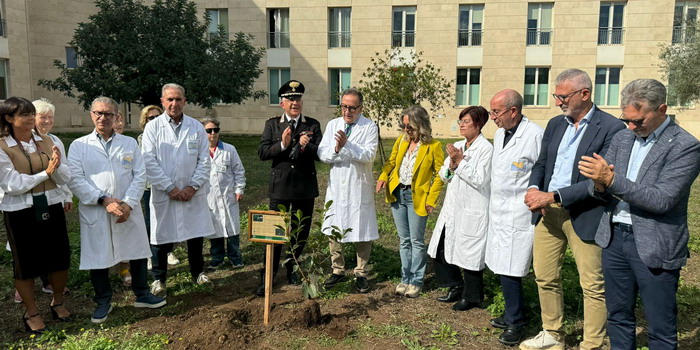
<point x="394" y="82"/>
<point x="679" y="64"/>
<point x="129" y="50"/>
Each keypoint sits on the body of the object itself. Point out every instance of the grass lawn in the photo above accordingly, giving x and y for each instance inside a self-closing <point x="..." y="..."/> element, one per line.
<point x="227" y="315"/>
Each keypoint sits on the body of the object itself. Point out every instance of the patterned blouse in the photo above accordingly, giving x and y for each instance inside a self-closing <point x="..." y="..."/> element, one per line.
<point x="407" y="164"/>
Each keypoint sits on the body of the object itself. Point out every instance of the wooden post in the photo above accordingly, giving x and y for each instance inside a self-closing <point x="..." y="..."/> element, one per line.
<point x="269" y="251"/>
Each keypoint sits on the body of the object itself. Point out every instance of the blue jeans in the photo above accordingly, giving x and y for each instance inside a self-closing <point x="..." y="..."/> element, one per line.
<point x="625" y="276"/>
<point x="411" y="230"/>
<point x="218" y="251"/>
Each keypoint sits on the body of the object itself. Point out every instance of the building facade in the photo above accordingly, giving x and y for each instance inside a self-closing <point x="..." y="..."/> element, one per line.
<point x="484" y="46"/>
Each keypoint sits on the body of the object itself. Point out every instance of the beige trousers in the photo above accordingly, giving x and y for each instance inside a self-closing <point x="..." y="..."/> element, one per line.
<point x="552" y="235"/>
<point x="338" y="261"/>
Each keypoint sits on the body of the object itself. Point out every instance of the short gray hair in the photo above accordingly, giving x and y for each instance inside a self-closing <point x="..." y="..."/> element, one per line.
<point x="44" y="106"/>
<point x="209" y="119"/>
<point x="513" y="98"/>
<point x="172" y="86"/>
<point x="579" y="78"/>
<point x="105" y="100"/>
<point x="651" y="91"/>
<point x="354" y="92"/>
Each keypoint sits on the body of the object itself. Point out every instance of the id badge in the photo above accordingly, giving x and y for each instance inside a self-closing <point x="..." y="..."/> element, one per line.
<point x="192" y="146"/>
<point x="41" y="207"/>
<point x="519" y="167"/>
<point x="221" y="168"/>
<point x="127" y="160"/>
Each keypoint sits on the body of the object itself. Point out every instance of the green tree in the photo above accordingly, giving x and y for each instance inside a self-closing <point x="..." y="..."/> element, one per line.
<point x="679" y="64"/>
<point x="394" y="82"/>
<point x="128" y="50"/>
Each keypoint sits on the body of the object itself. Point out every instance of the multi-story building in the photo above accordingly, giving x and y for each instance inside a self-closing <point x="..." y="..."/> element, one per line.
<point x="484" y="46"/>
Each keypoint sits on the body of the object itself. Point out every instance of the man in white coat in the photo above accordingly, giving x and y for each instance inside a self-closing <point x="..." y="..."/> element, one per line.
<point x="349" y="146"/>
<point x="109" y="178"/>
<point x="176" y="152"/>
<point x="509" y="243"/>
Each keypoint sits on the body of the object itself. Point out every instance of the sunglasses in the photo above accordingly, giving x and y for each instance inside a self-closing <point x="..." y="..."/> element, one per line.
<point x="212" y="130"/>
<point x="152" y="117"/>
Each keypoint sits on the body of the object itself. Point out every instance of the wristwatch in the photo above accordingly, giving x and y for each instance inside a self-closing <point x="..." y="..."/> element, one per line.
<point x="101" y="199"/>
<point x="557" y="197"/>
<point x="196" y="187"/>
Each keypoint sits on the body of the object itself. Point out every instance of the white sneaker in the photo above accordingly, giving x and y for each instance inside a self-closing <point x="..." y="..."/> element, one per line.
<point x="542" y="340"/>
<point x="202" y="279"/>
<point x="157" y="287"/>
<point x="401" y="288"/>
<point x="149" y="265"/>
<point x="412" y="291"/>
<point x="172" y="259"/>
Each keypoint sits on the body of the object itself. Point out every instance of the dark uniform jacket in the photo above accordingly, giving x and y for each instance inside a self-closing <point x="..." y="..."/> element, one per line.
<point x="290" y="178"/>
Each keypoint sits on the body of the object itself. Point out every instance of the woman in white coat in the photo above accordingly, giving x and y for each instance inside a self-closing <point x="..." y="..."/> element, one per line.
<point x="227" y="183"/>
<point x="459" y="238"/>
<point x="109" y="178"/>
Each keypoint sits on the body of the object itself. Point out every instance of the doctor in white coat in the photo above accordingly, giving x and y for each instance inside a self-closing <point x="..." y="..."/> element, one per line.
<point x="509" y="245"/>
<point x="349" y="146"/>
<point x="227" y="184"/>
<point x="108" y="178"/>
<point x="459" y="238"/>
<point x="176" y="153"/>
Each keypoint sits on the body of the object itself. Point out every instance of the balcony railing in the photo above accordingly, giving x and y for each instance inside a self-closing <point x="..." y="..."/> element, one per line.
<point x="403" y="39"/>
<point x="539" y="37"/>
<point x="470" y="37"/>
<point x="683" y="34"/>
<point x="339" y="39"/>
<point x="611" y="36"/>
<point x="277" y="40"/>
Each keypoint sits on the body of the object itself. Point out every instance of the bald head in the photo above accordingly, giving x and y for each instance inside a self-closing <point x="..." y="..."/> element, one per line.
<point x="506" y="108"/>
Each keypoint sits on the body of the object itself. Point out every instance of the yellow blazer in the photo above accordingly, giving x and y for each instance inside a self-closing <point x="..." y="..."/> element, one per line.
<point x="425" y="183"/>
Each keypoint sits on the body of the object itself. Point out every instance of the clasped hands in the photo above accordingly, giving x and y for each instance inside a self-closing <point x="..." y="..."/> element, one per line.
<point x="183" y="195"/>
<point x="287" y="138"/>
<point x="117" y="208"/>
<point x="456" y="155"/>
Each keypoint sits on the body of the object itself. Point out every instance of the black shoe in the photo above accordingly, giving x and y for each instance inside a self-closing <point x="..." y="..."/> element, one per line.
<point x="454" y="294"/>
<point x="55" y="315"/>
<point x="28" y="328"/>
<point x="260" y="291"/>
<point x="464" y="305"/>
<point x="213" y="266"/>
<point x="362" y="284"/>
<point x="499" y="322"/>
<point x="512" y="335"/>
<point x="333" y="280"/>
<point x="293" y="279"/>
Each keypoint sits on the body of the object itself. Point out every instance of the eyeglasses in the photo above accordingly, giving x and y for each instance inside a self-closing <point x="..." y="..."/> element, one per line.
<point x="563" y="98"/>
<point x="351" y="109"/>
<point x="151" y="117"/>
<point x="497" y="113"/>
<point x="636" y="122"/>
<point x="292" y="98"/>
<point x="464" y="121"/>
<point x="406" y="127"/>
<point x="212" y="130"/>
<point x="101" y="114"/>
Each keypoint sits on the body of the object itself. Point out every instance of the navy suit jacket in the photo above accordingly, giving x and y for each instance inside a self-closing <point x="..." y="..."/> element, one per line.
<point x="658" y="198"/>
<point x="585" y="211"/>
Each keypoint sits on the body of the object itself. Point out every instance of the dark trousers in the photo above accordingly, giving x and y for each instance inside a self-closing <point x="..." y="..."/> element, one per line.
<point x="159" y="260"/>
<point x="103" y="289"/>
<point x="145" y="204"/>
<point x="625" y="275"/>
<point x="512" y="288"/>
<point x="449" y="275"/>
<point x="231" y="248"/>
<point x="307" y="208"/>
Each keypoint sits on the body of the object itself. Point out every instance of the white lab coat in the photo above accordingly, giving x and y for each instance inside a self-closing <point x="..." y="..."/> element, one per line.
<point x="68" y="194"/>
<point x="120" y="174"/>
<point x="350" y="182"/>
<point x="227" y="178"/>
<point x="177" y="161"/>
<point x="464" y="214"/>
<point x="510" y="238"/>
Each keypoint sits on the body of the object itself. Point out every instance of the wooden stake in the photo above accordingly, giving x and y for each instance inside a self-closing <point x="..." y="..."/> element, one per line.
<point x="269" y="251"/>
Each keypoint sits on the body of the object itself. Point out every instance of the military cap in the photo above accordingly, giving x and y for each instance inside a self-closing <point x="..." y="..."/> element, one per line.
<point x="291" y="88"/>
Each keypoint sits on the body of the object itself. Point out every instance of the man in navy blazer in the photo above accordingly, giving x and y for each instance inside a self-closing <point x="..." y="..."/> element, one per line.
<point x="565" y="213"/>
<point x="644" y="230"/>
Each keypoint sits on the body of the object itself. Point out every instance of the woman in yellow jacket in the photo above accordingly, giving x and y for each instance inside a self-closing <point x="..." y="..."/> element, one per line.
<point x="412" y="187"/>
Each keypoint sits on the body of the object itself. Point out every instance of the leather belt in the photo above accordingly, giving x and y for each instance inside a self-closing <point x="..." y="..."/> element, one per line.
<point x="623" y="227"/>
<point x="402" y="186"/>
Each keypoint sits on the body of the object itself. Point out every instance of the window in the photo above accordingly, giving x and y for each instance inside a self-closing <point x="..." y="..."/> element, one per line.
<point x="536" y="87"/>
<point x="610" y="29"/>
<point x="219" y="17"/>
<point x="404" y="27"/>
<point x="470" y="19"/>
<point x="607" y="86"/>
<point x="278" y="76"/>
<point x="278" y="28"/>
<point x="539" y="24"/>
<point x="339" y="29"/>
<point x="3" y="80"/>
<point x="684" y="21"/>
<point x="468" y="84"/>
<point x="339" y="79"/>
<point x="72" y="59"/>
